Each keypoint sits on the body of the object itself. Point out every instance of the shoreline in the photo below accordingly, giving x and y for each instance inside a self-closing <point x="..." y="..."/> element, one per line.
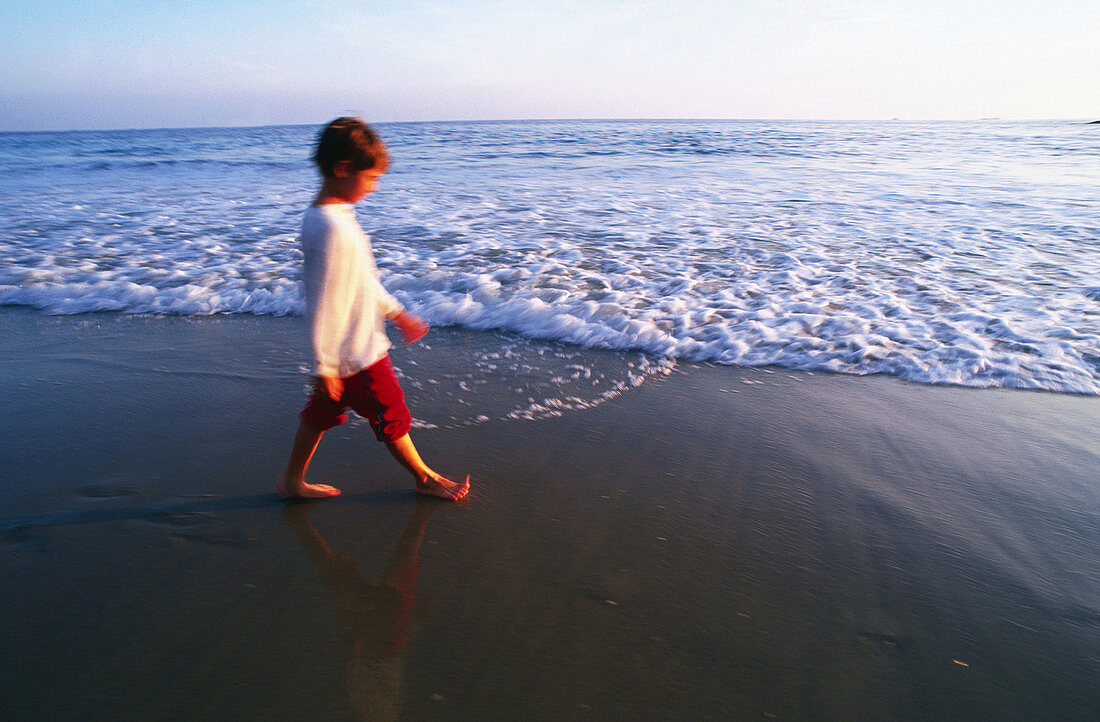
<point x="719" y="542"/>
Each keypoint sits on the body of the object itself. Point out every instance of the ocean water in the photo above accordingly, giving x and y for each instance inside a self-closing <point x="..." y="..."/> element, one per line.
<point x="943" y="253"/>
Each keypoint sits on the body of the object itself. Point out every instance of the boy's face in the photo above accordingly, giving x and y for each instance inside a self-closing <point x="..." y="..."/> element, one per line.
<point x="352" y="186"/>
<point x="362" y="183"/>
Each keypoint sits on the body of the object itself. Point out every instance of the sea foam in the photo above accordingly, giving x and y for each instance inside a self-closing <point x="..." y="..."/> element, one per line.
<point x="945" y="253"/>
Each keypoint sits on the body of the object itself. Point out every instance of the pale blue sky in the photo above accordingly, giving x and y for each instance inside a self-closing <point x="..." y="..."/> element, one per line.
<point x="150" y="63"/>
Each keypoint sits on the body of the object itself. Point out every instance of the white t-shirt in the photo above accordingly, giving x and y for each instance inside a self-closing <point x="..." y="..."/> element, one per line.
<point x="345" y="302"/>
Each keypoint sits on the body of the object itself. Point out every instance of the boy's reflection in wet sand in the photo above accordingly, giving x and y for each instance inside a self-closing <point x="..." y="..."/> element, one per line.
<point x="375" y="616"/>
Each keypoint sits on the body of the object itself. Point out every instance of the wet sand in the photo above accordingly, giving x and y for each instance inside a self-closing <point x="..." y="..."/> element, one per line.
<point x="718" y="544"/>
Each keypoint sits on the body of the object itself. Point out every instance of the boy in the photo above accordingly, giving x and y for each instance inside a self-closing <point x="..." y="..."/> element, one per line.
<point x="347" y="308"/>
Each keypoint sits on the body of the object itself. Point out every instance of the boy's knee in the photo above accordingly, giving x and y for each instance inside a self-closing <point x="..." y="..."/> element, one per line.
<point x="392" y="424"/>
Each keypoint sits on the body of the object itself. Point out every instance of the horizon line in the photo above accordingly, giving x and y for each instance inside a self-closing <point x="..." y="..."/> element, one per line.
<point x="991" y="119"/>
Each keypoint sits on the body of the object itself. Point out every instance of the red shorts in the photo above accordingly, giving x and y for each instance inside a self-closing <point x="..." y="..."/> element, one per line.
<point x="374" y="393"/>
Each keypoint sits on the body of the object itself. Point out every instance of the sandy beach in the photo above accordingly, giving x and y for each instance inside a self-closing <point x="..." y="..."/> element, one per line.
<point x="719" y="543"/>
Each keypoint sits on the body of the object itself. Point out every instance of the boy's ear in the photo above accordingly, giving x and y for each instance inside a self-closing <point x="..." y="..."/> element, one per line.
<point x="341" y="168"/>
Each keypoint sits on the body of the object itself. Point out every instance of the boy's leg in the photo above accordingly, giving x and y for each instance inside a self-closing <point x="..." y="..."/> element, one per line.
<point x="377" y="396"/>
<point x="427" y="481"/>
<point x="293" y="481"/>
<point x="320" y="414"/>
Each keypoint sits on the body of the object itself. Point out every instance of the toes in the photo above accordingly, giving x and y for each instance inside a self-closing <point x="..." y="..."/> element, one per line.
<point x="443" y="488"/>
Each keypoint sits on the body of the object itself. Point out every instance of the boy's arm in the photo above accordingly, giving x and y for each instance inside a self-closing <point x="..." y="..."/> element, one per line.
<point x="333" y="386"/>
<point x="412" y="327"/>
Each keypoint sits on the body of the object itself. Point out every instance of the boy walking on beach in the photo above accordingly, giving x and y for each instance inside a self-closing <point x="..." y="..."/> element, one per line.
<point x="347" y="308"/>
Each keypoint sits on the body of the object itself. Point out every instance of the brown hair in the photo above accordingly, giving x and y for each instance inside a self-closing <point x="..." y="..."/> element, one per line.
<point x="349" y="139"/>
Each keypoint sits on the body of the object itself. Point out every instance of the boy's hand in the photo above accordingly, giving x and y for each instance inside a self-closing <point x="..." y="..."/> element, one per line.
<point x="333" y="386"/>
<point x="412" y="327"/>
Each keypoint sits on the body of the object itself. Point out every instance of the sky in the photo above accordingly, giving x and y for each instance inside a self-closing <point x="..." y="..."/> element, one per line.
<point x="99" y="64"/>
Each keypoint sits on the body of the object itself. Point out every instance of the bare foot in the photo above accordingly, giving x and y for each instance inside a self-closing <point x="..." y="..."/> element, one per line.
<point x="443" y="488"/>
<point x="301" y="490"/>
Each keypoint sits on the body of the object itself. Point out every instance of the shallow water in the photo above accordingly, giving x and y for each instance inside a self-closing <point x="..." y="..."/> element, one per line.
<point x="945" y="253"/>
